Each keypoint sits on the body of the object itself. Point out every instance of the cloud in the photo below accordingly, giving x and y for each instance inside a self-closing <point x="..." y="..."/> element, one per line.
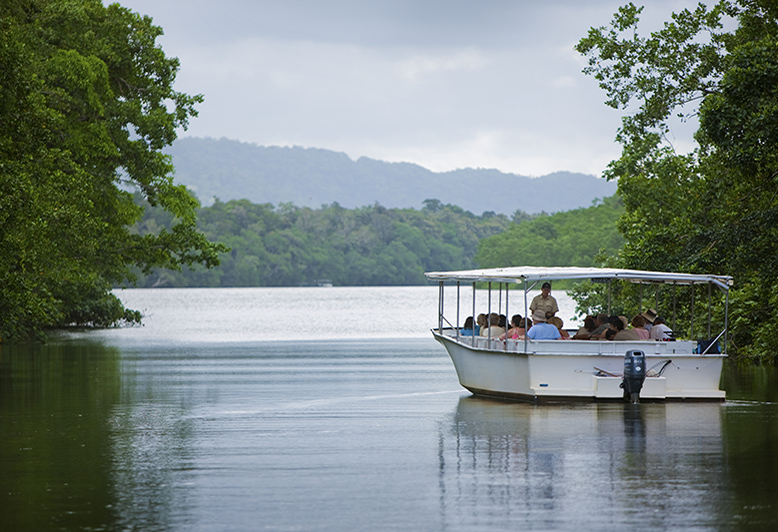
<point x="442" y="83"/>
<point x="564" y="81"/>
<point x="420" y="65"/>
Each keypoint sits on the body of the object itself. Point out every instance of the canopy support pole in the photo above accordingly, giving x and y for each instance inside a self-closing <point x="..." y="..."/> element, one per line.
<point x="489" y="314"/>
<point x="710" y="298"/>
<point x="457" y="311"/>
<point x="474" y="323"/>
<point x="526" y="311"/>
<point x="440" y="307"/>
<point x="726" y="320"/>
<point x="692" y="335"/>
<point x="499" y="298"/>
<point x="505" y="344"/>
<point x="507" y="314"/>
<point x="640" y="298"/>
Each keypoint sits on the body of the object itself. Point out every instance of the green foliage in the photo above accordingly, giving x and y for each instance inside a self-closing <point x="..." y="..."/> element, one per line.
<point x="86" y="105"/>
<point x="714" y="209"/>
<point x="572" y="238"/>
<point x="293" y="246"/>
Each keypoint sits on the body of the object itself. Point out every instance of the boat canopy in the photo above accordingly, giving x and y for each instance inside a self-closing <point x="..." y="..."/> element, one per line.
<point x="531" y="274"/>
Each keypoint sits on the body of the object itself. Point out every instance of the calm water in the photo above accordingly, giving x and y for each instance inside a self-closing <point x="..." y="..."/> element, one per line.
<point x="333" y="409"/>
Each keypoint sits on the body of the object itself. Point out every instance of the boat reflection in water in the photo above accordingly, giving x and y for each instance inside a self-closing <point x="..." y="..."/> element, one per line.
<point x="515" y="465"/>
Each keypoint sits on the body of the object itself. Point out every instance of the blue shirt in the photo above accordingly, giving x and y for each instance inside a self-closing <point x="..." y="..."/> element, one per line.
<point x="543" y="331"/>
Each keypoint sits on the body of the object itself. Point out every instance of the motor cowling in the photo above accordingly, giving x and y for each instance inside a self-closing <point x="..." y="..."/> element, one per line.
<point x="634" y="374"/>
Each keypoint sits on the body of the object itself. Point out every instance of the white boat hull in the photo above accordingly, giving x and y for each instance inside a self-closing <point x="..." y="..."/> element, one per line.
<point x="579" y="369"/>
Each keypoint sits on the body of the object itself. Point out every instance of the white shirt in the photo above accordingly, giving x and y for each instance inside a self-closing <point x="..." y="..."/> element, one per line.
<point x="660" y="332"/>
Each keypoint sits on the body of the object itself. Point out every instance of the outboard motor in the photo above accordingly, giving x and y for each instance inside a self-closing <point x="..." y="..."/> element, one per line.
<point x="634" y="374"/>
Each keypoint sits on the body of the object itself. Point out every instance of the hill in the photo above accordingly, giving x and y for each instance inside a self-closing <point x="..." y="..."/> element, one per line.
<point x="311" y="177"/>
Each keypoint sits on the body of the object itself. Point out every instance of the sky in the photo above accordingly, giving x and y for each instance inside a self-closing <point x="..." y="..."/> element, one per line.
<point x="445" y="84"/>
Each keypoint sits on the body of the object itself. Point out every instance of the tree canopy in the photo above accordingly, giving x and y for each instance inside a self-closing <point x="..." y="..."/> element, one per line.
<point x="86" y="104"/>
<point x="580" y="237"/>
<point x="288" y="245"/>
<point x="715" y="208"/>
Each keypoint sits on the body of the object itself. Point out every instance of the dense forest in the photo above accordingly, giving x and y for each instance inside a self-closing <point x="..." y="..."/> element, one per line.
<point x="581" y="237"/>
<point x="287" y="245"/>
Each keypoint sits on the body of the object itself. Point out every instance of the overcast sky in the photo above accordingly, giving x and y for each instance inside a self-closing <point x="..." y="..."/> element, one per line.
<point x="445" y="84"/>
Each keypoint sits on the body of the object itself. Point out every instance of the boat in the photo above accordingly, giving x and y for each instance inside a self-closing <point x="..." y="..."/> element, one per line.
<point x="588" y="370"/>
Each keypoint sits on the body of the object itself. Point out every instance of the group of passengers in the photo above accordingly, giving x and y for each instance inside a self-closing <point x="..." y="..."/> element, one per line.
<point x="643" y="326"/>
<point x="491" y="325"/>
<point x="540" y="327"/>
<point x="545" y="325"/>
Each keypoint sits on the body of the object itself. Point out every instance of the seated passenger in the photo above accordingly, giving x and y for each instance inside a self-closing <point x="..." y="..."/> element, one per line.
<point x="660" y="331"/>
<point x="585" y="332"/>
<point x="517" y="328"/>
<point x="481" y="322"/>
<point x="639" y="326"/>
<point x="602" y="325"/>
<point x="492" y="329"/>
<point x="524" y="326"/>
<point x="557" y="322"/>
<point x="649" y="315"/>
<point x="622" y="334"/>
<point x="614" y="326"/>
<point x="542" y="330"/>
<point x="469" y="329"/>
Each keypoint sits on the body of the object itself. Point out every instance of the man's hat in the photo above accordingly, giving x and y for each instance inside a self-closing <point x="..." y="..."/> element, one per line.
<point x="649" y="315"/>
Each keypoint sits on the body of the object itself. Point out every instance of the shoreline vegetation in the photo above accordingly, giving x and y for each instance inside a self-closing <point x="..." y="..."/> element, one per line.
<point x="287" y="245"/>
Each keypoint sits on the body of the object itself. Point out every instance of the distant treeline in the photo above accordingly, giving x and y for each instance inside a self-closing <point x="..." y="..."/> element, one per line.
<point x="287" y="245"/>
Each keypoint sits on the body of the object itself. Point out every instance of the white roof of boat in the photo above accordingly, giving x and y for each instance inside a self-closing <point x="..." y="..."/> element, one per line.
<point x="519" y="274"/>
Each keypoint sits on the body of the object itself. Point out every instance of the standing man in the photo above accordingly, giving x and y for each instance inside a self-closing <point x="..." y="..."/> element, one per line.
<point x="544" y="302"/>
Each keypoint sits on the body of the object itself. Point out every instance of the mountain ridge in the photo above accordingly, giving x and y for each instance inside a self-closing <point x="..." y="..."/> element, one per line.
<point x="227" y="169"/>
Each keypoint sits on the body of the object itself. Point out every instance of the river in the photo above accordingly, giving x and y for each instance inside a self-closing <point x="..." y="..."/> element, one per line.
<point x="332" y="409"/>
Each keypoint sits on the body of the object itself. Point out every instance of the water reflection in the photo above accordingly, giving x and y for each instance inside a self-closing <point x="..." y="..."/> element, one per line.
<point x="579" y="466"/>
<point x="751" y="439"/>
<point x="151" y="466"/>
<point x="746" y="381"/>
<point x="72" y="456"/>
<point x="358" y="435"/>
<point x="55" y="451"/>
